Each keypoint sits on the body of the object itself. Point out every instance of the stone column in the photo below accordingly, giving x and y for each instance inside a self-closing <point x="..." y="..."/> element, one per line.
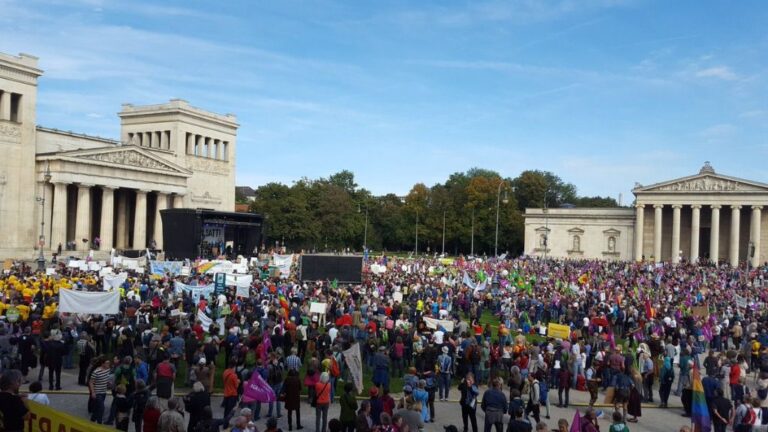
<point x="107" y="217"/>
<point x="714" y="235"/>
<point x="47" y="213"/>
<point x="657" y="232"/>
<point x="695" y="223"/>
<point x="122" y="220"/>
<point x="162" y="204"/>
<point x="59" y="216"/>
<point x="5" y="106"/>
<point x="164" y="140"/>
<point x="676" y="233"/>
<point x="178" y="201"/>
<point x="83" y="222"/>
<point x="733" y="255"/>
<point x="140" y="221"/>
<point x="639" y="225"/>
<point x="755" y="228"/>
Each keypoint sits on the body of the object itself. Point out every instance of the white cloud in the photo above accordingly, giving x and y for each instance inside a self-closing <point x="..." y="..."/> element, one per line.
<point x="754" y="114"/>
<point x="720" y="72"/>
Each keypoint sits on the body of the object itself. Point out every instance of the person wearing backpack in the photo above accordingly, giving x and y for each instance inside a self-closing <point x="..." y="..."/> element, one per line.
<point x="622" y="385"/>
<point x="747" y="415"/>
<point x="667" y="377"/>
<point x="444" y="364"/>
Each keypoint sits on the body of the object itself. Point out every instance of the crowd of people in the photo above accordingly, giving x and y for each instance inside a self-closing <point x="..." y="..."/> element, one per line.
<point x="471" y="331"/>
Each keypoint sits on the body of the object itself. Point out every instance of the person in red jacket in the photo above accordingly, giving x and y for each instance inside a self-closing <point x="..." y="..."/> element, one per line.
<point x="231" y="383"/>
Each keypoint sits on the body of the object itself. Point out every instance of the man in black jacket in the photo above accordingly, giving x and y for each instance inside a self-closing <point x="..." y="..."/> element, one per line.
<point x="55" y="350"/>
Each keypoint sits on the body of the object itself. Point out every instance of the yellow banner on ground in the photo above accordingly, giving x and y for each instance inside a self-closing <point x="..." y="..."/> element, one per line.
<point x="558" y="331"/>
<point x="43" y="418"/>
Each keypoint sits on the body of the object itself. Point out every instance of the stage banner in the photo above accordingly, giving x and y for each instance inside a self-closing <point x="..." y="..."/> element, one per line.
<point x="355" y="364"/>
<point x="112" y="281"/>
<point x="43" y="418"/>
<point x="195" y="291"/>
<point x="558" y="331"/>
<point x="213" y="234"/>
<point x="103" y="303"/>
<point x="160" y="268"/>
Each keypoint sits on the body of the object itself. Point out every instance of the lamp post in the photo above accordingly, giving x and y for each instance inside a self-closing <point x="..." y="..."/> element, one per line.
<point x="365" y="230"/>
<point x="443" y="252"/>
<point x="417" y="232"/>
<point x="472" y="242"/>
<point x="546" y="223"/>
<point x="498" y="206"/>
<point x="41" y="200"/>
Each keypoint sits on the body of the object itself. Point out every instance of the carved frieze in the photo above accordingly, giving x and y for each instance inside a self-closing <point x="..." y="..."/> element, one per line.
<point x="211" y="166"/>
<point x="206" y="198"/>
<point x="10" y="130"/>
<point x="130" y="158"/>
<point x="705" y="184"/>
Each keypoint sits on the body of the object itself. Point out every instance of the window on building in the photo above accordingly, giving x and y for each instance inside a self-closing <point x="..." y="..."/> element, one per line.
<point x="15" y="107"/>
<point x="577" y="243"/>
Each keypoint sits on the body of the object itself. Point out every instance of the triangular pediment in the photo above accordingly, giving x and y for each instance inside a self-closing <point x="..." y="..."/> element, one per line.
<point x="704" y="183"/>
<point x="126" y="156"/>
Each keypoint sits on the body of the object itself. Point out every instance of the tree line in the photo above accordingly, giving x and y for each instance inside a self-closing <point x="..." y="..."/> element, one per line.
<point x="329" y="214"/>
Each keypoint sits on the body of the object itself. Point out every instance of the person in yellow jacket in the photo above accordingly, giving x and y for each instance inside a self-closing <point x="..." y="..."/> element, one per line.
<point x="23" y="311"/>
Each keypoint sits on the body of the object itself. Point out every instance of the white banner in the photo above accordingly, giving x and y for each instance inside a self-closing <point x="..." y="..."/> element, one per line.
<point x="741" y="302"/>
<point x="355" y="365"/>
<point x="283" y="262"/>
<point x="243" y="291"/>
<point x="435" y="323"/>
<point x="378" y="269"/>
<point x="102" y="303"/>
<point x="114" y="281"/>
<point x="206" y="322"/>
<point x="239" y="280"/>
<point x="195" y="291"/>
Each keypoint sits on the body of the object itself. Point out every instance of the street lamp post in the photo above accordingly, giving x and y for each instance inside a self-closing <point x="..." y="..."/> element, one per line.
<point x="546" y="224"/>
<point x="365" y="230"/>
<point x="443" y="252"/>
<point x="417" y="233"/>
<point x="41" y="200"/>
<point x="498" y="206"/>
<point x="472" y="243"/>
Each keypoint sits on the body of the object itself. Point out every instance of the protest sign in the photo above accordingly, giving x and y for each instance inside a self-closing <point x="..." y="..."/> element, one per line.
<point x="558" y="331"/>
<point x="355" y="364"/>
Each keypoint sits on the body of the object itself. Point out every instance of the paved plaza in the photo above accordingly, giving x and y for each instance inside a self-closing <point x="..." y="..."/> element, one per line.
<point x="73" y="400"/>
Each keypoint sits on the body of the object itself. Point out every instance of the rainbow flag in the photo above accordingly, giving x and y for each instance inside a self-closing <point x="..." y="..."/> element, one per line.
<point x="699" y="411"/>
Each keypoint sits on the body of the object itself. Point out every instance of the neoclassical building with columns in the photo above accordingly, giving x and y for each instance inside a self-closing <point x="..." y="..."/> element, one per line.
<point x="86" y="192"/>
<point x="706" y="215"/>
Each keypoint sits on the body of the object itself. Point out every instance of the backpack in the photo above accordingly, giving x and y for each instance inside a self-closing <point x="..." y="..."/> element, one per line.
<point x="335" y="370"/>
<point x="445" y="364"/>
<point x="474" y="356"/>
<point x="543" y="392"/>
<point x="250" y="358"/>
<point x="749" y="418"/>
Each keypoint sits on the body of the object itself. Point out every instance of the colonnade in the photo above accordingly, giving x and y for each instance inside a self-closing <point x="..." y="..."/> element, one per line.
<point x="734" y="231"/>
<point x="123" y="221"/>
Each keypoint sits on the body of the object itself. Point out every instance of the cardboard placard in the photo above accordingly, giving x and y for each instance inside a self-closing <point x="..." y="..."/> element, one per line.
<point x="558" y="331"/>
<point x="317" y="307"/>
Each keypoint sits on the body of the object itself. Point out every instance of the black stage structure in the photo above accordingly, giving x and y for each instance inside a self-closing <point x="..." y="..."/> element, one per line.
<point x="192" y="233"/>
<point x="344" y="268"/>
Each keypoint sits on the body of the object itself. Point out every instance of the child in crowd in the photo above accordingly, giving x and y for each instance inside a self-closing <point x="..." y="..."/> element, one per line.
<point x="618" y="423"/>
<point x="35" y="396"/>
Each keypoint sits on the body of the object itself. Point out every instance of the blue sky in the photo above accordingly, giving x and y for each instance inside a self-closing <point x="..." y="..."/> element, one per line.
<point x="603" y="93"/>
